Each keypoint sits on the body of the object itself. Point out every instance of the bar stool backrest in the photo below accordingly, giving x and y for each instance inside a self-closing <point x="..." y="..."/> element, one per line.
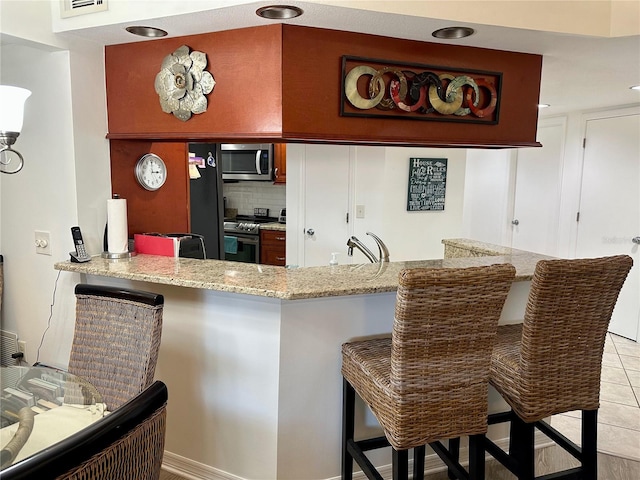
<point x="566" y="320"/>
<point x="116" y="340"/>
<point x="443" y="334"/>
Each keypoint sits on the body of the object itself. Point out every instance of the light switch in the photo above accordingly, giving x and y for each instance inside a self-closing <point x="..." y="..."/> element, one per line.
<point x="43" y="243"/>
<point x="359" y="211"/>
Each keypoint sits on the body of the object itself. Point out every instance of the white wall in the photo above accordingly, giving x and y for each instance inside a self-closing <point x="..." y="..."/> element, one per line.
<point x="41" y="197"/>
<point x="571" y="185"/>
<point x="130" y="10"/>
<point x="490" y="180"/>
<point x="492" y="187"/>
<point x="91" y="147"/>
<point x="601" y="18"/>
<point x="487" y="202"/>
<point x="65" y="180"/>
<point x="28" y="20"/>
<point x="378" y="180"/>
<point x="412" y="235"/>
<point x="518" y="184"/>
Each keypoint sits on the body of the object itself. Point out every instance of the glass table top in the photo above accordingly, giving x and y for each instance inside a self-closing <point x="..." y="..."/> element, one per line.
<point x="40" y="406"/>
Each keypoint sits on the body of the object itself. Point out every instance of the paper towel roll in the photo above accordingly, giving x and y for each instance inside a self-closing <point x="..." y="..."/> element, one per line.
<point x="117" y="233"/>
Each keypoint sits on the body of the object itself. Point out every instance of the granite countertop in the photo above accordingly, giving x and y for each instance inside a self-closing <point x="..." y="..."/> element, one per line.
<point x="477" y="247"/>
<point x="285" y="283"/>
<point x="279" y="227"/>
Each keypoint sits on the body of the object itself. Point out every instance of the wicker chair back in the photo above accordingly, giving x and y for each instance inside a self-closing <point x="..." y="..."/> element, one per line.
<point x="116" y="340"/>
<point x="565" y="325"/>
<point x="430" y="381"/>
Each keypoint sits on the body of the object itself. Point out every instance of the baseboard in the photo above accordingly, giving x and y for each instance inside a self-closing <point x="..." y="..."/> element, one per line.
<point x="192" y="470"/>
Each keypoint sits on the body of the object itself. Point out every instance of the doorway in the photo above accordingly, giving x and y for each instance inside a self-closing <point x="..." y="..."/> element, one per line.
<point x="326" y="187"/>
<point x="609" y="215"/>
<point x="538" y="191"/>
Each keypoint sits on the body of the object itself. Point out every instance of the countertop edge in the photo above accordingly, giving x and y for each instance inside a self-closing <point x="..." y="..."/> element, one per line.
<point x="299" y="283"/>
<point x="274" y="227"/>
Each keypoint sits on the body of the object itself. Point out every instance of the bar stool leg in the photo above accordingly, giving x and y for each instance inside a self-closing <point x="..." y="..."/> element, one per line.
<point x="590" y="444"/>
<point x="418" y="462"/>
<point x="476" y="457"/>
<point x="454" y="450"/>
<point x="521" y="447"/>
<point x="348" y="426"/>
<point x="400" y="460"/>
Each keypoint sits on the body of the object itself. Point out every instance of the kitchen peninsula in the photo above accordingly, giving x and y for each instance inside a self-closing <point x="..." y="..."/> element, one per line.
<point x="251" y="353"/>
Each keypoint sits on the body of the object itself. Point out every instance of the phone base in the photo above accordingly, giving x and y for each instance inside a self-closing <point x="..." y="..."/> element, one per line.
<point x="117" y="256"/>
<point x="75" y="258"/>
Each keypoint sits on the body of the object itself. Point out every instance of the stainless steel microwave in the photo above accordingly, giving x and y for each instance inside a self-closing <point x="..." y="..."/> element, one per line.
<point x="246" y="161"/>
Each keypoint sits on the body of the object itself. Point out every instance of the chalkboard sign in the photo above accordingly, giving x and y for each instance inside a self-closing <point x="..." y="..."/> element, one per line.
<point x="427" y="184"/>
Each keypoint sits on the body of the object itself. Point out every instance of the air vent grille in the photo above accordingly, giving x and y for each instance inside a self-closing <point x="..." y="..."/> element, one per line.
<point x="71" y="8"/>
<point x="8" y="346"/>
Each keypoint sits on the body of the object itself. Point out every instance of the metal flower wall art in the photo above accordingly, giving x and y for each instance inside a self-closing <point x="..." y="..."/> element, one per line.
<point x="182" y="83"/>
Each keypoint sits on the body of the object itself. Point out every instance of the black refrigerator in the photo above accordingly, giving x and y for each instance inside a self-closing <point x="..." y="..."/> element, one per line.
<point x="206" y="204"/>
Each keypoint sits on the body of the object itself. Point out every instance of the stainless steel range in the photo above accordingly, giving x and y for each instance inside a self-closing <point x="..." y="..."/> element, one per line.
<point x="242" y="242"/>
<point x="242" y="228"/>
<point x="242" y="238"/>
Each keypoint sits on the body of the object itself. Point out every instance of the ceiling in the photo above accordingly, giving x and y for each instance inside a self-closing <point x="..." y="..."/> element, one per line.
<point x="579" y="72"/>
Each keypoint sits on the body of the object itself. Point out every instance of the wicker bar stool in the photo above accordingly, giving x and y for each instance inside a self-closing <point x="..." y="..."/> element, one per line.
<point x="429" y="381"/>
<point x="551" y="363"/>
<point x="116" y="340"/>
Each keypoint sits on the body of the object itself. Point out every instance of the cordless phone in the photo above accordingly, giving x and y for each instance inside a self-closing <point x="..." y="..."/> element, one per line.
<point x="80" y="255"/>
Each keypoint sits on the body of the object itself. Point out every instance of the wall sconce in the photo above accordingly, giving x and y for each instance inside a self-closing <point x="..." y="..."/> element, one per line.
<point x="11" y="114"/>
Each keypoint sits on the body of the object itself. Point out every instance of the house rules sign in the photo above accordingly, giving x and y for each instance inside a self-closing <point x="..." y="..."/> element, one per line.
<point x="427" y="184"/>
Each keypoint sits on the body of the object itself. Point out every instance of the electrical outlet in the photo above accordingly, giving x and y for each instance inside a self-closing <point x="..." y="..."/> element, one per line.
<point x="359" y="211"/>
<point x="22" y="347"/>
<point x="43" y="243"/>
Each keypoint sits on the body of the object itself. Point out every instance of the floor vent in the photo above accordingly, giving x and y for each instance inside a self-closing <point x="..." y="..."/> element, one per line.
<point x="71" y="8"/>
<point x="8" y="346"/>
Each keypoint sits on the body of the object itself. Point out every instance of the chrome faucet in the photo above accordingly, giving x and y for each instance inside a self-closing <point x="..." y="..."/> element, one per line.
<point x="382" y="249"/>
<point x="354" y="242"/>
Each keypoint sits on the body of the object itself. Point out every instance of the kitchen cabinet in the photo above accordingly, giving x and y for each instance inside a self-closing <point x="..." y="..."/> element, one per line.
<point x="273" y="247"/>
<point x="166" y="209"/>
<point x="280" y="163"/>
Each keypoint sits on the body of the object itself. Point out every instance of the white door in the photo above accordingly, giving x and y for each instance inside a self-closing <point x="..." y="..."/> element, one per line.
<point x="326" y="193"/>
<point x="537" y="191"/>
<point x="610" y="207"/>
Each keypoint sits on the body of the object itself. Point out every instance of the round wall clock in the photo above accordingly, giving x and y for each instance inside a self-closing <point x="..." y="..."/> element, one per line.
<point x="151" y="172"/>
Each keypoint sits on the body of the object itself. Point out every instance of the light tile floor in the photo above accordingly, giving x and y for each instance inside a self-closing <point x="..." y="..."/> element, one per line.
<point x="619" y="414"/>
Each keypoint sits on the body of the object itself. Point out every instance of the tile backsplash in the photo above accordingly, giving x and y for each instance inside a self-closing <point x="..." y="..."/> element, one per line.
<point x="245" y="196"/>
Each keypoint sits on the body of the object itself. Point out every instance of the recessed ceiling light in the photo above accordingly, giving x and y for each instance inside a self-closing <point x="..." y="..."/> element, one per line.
<point x="635" y="87"/>
<point x="450" y="33"/>
<point x="543" y="105"/>
<point x="279" y="12"/>
<point x="146" y="31"/>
